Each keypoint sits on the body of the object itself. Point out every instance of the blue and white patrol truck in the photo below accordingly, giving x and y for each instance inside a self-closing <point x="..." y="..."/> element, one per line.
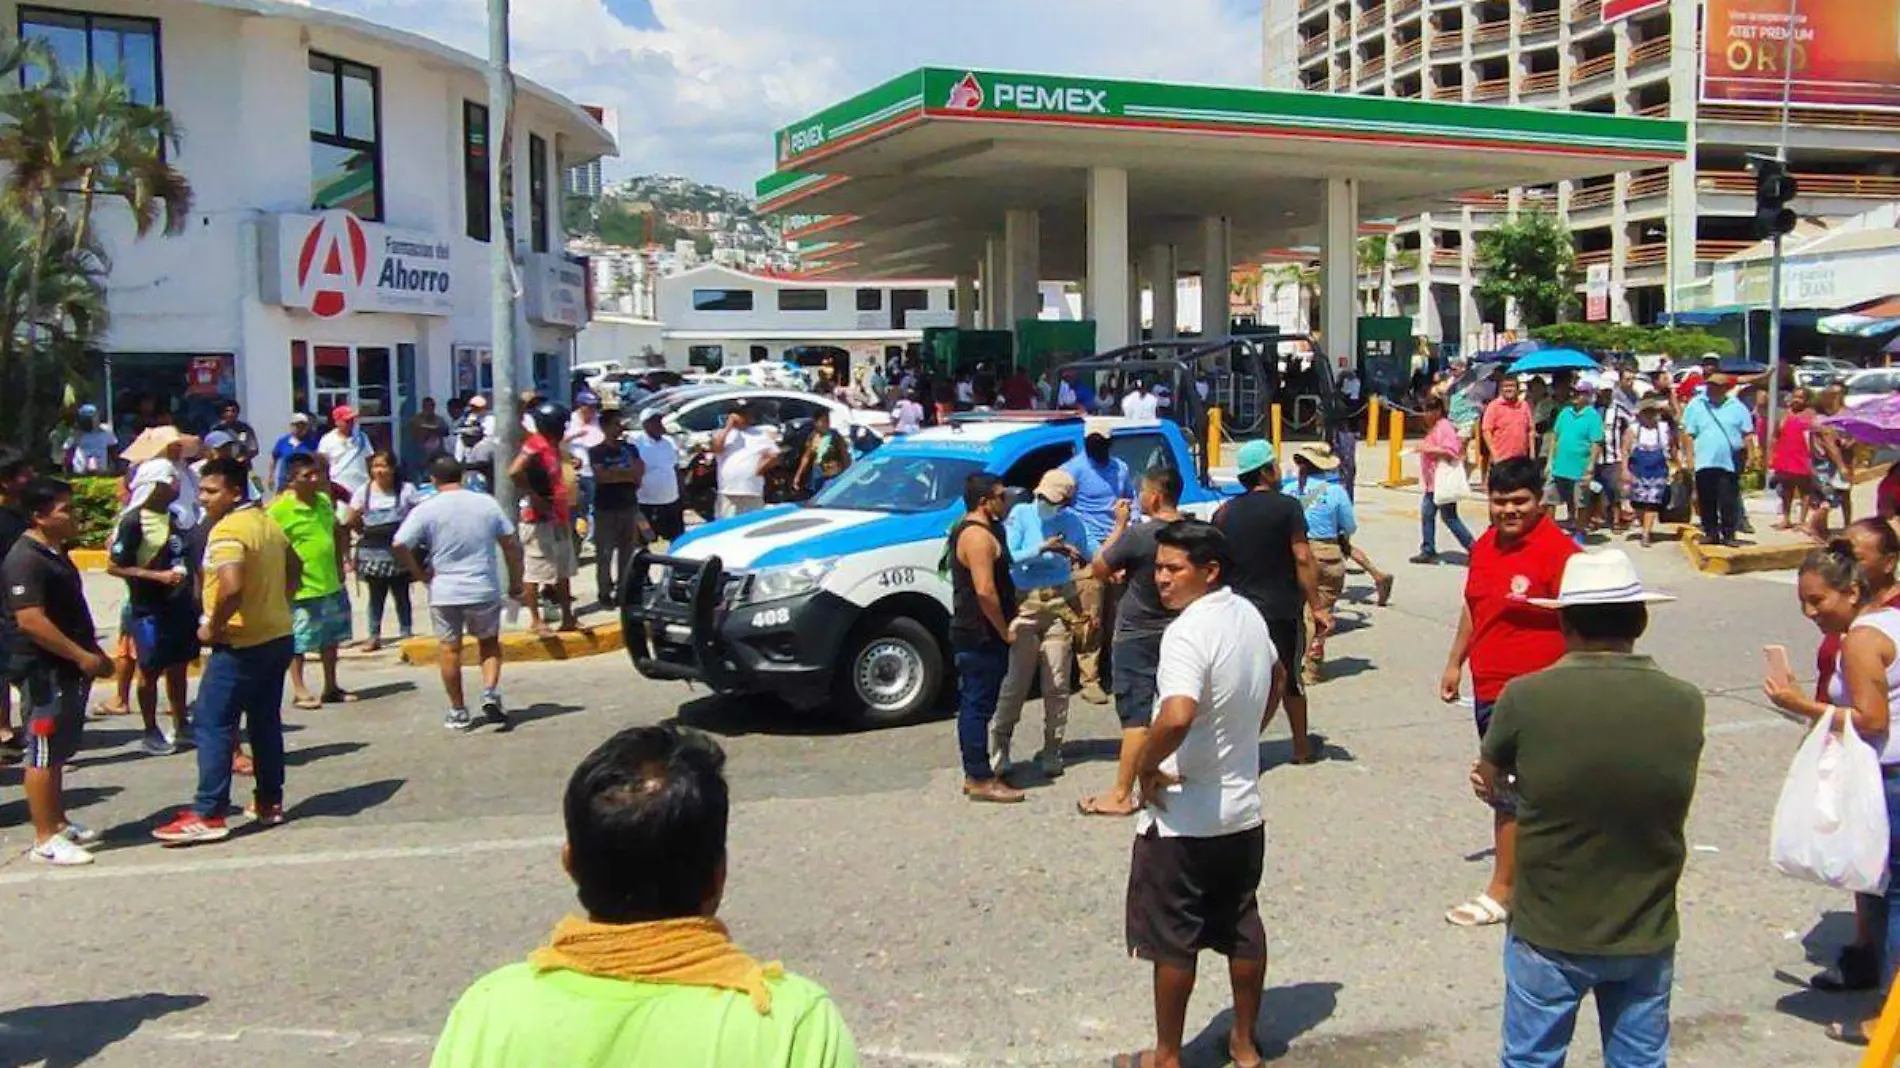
<point x="839" y="603"/>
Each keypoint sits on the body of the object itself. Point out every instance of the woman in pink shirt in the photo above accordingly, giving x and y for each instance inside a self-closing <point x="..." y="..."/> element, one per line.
<point x="1442" y="444"/>
<point x="1793" y="463"/>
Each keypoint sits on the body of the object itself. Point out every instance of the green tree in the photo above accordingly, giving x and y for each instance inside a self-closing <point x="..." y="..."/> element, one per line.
<point x="1304" y="277"/>
<point x="1530" y="258"/>
<point x="66" y="142"/>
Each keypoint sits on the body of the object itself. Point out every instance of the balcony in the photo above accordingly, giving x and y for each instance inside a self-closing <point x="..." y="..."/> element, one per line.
<point x="1644" y="186"/>
<point x="1595" y="68"/>
<point x="1542" y="22"/>
<point x="1742" y="183"/>
<point x="1371" y="68"/>
<point x="1594" y="257"/>
<point x="1494" y="89"/>
<point x="1405" y="9"/>
<point x="1586" y="11"/>
<point x="1599" y="196"/>
<point x="1656" y="111"/>
<point x="1543" y="82"/>
<point x="1447" y="43"/>
<point x="1341" y="82"/>
<point x="1448" y="92"/>
<point x="1492" y="32"/>
<point x="1452" y="258"/>
<point x="1771" y="116"/>
<point x="1308" y="7"/>
<point x="1654" y="254"/>
<point x="1708" y="251"/>
<point x="1656" y="51"/>
<point x="1313" y="46"/>
<point x="1408" y="52"/>
<point x="1371" y="20"/>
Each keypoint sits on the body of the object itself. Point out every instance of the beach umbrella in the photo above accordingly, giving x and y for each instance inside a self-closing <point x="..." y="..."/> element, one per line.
<point x="1545" y="360"/>
<point x="1515" y="351"/>
<point x="1877" y="423"/>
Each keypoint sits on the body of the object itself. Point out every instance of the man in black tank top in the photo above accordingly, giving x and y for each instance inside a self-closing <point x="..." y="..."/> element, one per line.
<point x="982" y="602"/>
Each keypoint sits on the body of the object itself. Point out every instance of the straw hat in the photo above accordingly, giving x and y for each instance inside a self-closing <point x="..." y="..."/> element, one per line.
<point x="1318" y="454"/>
<point x="1607" y="577"/>
<point x="154" y="441"/>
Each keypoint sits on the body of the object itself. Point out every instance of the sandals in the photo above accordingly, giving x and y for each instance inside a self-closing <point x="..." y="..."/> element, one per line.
<point x="1850" y="1034"/>
<point x="338" y="697"/>
<point x="1094" y="805"/>
<point x="1480" y="911"/>
<point x="1383" y="591"/>
<point x="307" y="704"/>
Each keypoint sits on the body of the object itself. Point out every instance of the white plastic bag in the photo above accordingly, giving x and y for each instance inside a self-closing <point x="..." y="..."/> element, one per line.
<point x="1450" y="484"/>
<point x="1831" y="822"/>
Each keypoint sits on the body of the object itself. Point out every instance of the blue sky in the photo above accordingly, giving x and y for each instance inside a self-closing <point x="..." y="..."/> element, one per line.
<point x="699" y="85"/>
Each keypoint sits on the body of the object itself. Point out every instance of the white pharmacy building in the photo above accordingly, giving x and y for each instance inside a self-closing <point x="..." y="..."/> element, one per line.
<point x="337" y="250"/>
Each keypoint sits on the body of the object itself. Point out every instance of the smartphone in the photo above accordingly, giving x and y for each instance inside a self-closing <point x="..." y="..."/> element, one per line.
<point x="1779" y="669"/>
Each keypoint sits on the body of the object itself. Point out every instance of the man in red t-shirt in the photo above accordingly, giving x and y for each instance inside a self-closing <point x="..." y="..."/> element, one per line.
<point x="1504" y="636"/>
<point x="547" y="525"/>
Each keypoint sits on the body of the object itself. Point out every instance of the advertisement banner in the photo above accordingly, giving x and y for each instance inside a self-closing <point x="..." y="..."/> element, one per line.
<point x="1597" y="293"/>
<point x="335" y="264"/>
<point x="556" y="291"/>
<point x="1846" y="53"/>
<point x="1622" y="9"/>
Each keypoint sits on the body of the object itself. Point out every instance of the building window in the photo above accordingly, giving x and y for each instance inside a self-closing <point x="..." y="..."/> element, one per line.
<point x="870" y="300"/>
<point x="803" y="300"/>
<point x="346" y="168"/>
<point x="126" y="48"/>
<point x="538" y="192"/>
<point x="722" y="300"/>
<point x="475" y="163"/>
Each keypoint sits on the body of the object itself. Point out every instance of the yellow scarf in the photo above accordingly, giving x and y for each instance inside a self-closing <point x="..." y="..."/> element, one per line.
<point x="695" y="951"/>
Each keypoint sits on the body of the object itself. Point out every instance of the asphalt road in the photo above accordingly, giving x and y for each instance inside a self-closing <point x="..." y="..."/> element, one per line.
<point x="950" y="934"/>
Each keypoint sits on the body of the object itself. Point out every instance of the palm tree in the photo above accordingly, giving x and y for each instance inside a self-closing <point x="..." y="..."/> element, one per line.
<point x="52" y="304"/>
<point x="64" y="144"/>
<point x="1304" y="276"/>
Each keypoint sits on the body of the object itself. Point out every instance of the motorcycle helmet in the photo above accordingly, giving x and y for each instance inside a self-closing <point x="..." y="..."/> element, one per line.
<point x="549" y="418"/>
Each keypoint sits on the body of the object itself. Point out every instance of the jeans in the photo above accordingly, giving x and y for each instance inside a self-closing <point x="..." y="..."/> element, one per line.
<point x="1890" y="778"/>
<point x="1429" y="512"/>
<point x="584" y="509"/>
<point x="245" y="684"/>
<point x="616" y="536"/>
<point x="1543" y="990"/>
<point x="1719" y="499"/>
<point x="380" y="591"/>
<point x="980" y="674"/>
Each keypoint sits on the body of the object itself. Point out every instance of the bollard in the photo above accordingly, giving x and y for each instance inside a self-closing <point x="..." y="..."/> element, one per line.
<point x="1213" y="437"/>
<point x="1884" y="1045"/>
<point x="1276" y="429"/>
<point x="1372" y="422"/>
<point x="1395" y="447"/>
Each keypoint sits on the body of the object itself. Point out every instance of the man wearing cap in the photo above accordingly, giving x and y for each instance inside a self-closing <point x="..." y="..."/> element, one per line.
<point x="238" y="429"/>
<point x="1723" y="432"/>
<point x="1330" y="524"/>
<point x="1577" y="445"/>
<point x="1101" y="479"/>
<point x="659" y="478"/>
<point x="1610" y="471"/>
<point x="89" y="450"/>
<point x="302" y="438"/>
<point x="745" y="453"/>
<point x="1047" y="543"/>
<point x="582" y="434"/>
<point x="1601" y="751"/>
<point x="347" y="448"/>
<point x="1274" y="568"/>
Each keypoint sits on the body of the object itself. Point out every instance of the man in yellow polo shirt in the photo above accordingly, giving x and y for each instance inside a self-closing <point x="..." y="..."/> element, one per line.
<point x="651" y="978"/>
<point x="249" y="574"/>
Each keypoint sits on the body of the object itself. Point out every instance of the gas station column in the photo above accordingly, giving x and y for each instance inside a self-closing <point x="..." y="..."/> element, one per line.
<point x="966" y="302"/>
<point x="1217" y="265"/>
<point x="1339" y="284"/>
<point x="1022" y="267"/>
<point x="1158" y="264"/>
<point x="1108" y="273"/>
<point x="991" y="273"/>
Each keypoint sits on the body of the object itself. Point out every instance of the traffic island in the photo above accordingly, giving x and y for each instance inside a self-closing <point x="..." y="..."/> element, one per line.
<point x="520" y="646"/>
<point x="1722" y="560"/>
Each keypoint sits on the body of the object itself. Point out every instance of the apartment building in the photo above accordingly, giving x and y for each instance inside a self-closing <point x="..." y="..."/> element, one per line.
<point x="1649" y="240"/>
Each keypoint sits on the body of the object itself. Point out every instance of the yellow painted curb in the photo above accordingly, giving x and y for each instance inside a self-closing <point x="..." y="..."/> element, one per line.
<point x="89" y="559"/>
<point x="1722" y="560"/>
<point x="520" y="646"/>
<point x="1400" y="484"/>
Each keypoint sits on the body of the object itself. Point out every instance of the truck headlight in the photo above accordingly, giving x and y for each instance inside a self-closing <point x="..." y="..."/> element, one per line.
<point x="774" y="583"/>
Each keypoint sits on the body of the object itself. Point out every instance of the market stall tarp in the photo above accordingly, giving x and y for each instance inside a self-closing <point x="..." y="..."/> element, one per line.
<point x="1871" y="320"/>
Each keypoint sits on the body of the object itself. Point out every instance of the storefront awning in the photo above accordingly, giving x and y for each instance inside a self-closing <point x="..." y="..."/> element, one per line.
<point x="1870" y="320"/>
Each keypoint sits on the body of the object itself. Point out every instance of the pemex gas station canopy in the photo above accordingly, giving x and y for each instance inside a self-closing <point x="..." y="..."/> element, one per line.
<point x="912" y="178"/>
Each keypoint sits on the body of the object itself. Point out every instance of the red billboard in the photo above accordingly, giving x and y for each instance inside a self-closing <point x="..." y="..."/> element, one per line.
<point x="1845" y="53"/>
<point x="1622" y="9"/>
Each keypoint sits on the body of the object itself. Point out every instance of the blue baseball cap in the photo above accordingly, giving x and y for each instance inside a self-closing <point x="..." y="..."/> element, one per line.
<point x="1255" y="455"/>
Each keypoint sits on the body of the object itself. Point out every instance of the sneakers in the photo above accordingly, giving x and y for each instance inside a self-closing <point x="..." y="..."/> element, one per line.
<point x="79" y="834"/>
<point x="458" y="720"/>
<point x="265" y="815"/>
<point x="1093" y="693"/>
<point x="492" y="709"/>
<point x="1425" y="558"/>
<point x="189" y="828"/>
<point x="61" y="852"/>
<point x="1049" y="763"/>
<point x="156" y="744"/>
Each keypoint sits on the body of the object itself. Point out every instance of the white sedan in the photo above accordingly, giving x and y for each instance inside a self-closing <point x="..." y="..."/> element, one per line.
<point x="1866" y="387"/>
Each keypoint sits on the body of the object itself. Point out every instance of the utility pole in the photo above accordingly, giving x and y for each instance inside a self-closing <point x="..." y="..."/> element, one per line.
<point x="1774" y="188"/>
<point x="501" y="254"/>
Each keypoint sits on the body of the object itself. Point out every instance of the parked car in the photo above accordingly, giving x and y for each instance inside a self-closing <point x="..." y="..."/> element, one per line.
<point x="764" y="374"/>
<point x="692" y="414"/>
<point x="1866" y="387"/>
<point x="1819" y="372"/>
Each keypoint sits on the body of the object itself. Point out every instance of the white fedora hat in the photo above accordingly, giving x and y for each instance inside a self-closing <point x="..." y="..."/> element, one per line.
<point x="1607" y="577"/>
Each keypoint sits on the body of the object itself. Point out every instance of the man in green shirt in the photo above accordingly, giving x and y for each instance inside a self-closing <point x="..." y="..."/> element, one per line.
<point x="320" y="620"/>
<point x="1601" y="749"/>
<point x="1577" y="446"/>
<point x="651" y="978"/>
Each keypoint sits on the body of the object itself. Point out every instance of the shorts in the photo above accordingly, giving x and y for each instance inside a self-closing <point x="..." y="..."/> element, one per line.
<point x="1609" y="476"/>
<point x="1190" y="894"/>
<point x="1564" y="491"/>
<point x="55" y="716"/>
<point x="318" y="623"/>
<point x="547" y="553"/>
<point x="478" y="621"/>
<point x="1132" y="673"/>
<point x="1506" y="801"/>
<point x="1331" y="561"/>
<point x="166" y="638"/>
<point x="1289" y="643"/>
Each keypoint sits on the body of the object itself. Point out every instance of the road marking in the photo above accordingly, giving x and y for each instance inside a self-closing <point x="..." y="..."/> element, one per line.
<point x="283" y="860"/>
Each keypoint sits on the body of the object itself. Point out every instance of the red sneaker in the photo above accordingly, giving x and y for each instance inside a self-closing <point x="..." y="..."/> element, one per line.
<point x="265" y="815"/>
<point x="189" y="828"/>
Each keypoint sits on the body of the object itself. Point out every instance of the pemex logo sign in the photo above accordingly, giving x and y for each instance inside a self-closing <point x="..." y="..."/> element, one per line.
<point x="1026" y="94"/>
<point x="332" y="264"/>
<point x="966" y="95"/>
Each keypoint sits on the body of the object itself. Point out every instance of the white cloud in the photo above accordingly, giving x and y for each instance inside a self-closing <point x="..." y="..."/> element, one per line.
<point x="701" y="91"/>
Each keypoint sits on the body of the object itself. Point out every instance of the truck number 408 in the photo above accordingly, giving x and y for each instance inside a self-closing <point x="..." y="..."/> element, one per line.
<point x="897" y="576"/>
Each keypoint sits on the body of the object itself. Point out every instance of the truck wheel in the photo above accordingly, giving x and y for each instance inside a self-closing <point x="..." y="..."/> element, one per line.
<point x="891" y="672"/>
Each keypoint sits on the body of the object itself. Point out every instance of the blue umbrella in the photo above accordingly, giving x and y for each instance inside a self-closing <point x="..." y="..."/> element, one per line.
<point x="1515" y="351"/>
<point x="1554" y="360"/>
<point x="1736" y="365"/>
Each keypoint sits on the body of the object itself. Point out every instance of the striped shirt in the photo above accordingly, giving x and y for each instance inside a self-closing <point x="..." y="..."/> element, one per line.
<point x="1616" y="426"/>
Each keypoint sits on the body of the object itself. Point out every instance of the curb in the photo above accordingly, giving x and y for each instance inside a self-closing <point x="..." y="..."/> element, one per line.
<point x="521" y="647"/>
<point x="89" y="559"/>
<point x="1722" y="560"/>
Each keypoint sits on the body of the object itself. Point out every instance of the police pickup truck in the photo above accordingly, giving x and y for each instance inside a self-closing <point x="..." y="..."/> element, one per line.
<point x="839" y="602"/>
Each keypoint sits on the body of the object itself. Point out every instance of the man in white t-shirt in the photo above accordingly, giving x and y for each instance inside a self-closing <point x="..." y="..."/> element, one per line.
<point x="1139" y="403"/>
<point x="659" y="493"/>
<point x="347" y="448"/>
<point x="745" y="453"/>
<point x="908" y="416"/>
<point x="1200" y="840"/>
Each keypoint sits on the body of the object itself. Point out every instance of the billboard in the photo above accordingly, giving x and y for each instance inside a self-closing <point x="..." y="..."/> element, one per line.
<point x="1846" y="53"/>
<point x="1622" y="9"/>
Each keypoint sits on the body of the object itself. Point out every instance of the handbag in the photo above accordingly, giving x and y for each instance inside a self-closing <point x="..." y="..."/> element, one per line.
<point x="1450" y="484"/>
<point x="1831" y="821"/>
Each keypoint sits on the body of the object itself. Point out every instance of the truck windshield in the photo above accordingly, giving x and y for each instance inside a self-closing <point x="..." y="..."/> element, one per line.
<point x="907" y="485"/>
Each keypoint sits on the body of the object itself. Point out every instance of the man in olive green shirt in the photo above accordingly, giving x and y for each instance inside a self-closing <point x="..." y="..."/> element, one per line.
<point x="1601" y="749"/>
<point x="651" y="979"/>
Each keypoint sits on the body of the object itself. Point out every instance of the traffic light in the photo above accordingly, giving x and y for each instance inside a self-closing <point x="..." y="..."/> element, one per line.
<point x="1774" y="188"/>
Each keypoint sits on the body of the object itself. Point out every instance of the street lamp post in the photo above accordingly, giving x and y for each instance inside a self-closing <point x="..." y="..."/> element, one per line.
<point x="501" y="254"/>
<point x="1774" y="269"/>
